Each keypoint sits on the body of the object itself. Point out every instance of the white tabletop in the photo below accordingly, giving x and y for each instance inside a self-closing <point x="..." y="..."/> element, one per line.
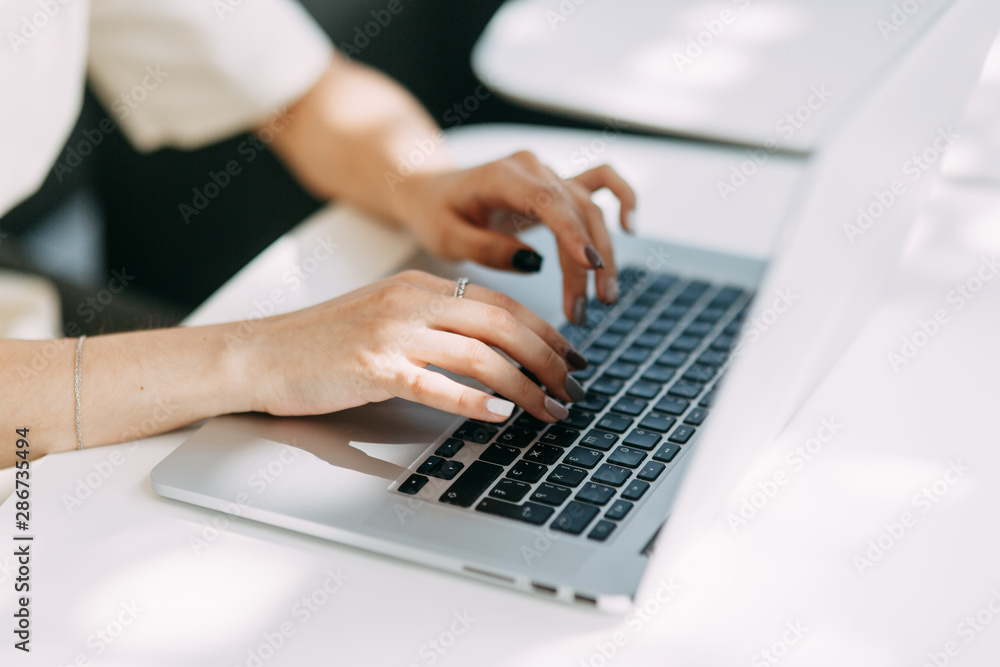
<point x="173" y="584"/>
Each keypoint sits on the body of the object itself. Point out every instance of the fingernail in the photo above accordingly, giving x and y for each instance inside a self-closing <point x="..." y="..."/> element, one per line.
<point x="574" y="389"/>
<point x="555" y="408"/>
<point x="500" y="407"/>
<point x="630" y="222"/>
<point x="526" y="261"/>
<point x="575" y="359"/>
<point x="611" y="289"/>
<point x="580" y="311"/>
<point x="593" y="257"/>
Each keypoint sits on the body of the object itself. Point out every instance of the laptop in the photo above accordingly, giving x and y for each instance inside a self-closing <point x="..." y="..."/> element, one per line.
<point x="699" y="366"/>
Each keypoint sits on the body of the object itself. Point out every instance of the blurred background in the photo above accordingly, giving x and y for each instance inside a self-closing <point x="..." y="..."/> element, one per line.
<point x="117" y="210"/>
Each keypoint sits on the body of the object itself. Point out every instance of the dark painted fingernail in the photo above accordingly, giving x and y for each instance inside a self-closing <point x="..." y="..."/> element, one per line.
<point x="575" y="359"/>
<point x="526" y="261"/>
<point x="574" y="389"/>
<point x="555" y="408"/>
<point x="580" y="311"/>
<point x="593" y="257"/>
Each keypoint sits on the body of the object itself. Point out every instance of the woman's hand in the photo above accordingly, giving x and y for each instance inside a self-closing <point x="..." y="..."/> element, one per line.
<point x="376" y="343"/>
<point x="452" y="213"/>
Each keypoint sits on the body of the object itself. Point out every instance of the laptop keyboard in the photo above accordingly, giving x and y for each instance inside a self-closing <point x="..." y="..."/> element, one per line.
<point x="655" y="360"/>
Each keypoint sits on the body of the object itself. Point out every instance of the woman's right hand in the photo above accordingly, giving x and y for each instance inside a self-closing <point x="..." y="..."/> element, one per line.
<point x="376" y="343"/>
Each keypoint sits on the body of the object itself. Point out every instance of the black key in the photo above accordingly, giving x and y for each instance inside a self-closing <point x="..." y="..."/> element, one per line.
<point x="579" y="419"/>
<point x="618" y="510"/>
<point x="636" y="311"/>
<point x="651" y="471"/>
<point x="559" y="436"/>
<point x="544" y="454"/>
<point x="732" y="329"/>
<point x="551" y="494"/>
<point x="596" y="356"/>
<point x="611" y="475"/>
<point x="526" y="471"/>
<point x="634" y="355"/>
<point x="699" y="373"/>
<point x="698" y="329"/>
<point x="658" y="374"/>
<point x="673" y="358"/>
<point x="566" y="475"/>
<point x="627" y="405"/>
<point x="620" y="370"/>
<point x="583" y="457"/>
<point x="662" y="325"/>
<point x="723" y="342"/>
<point x="692" y="292"/>
<point x="635" y="490"/>
<point x="685" y="343"/>
<point x="681" y="434"/>
<point x="685" y="389"/>
<point x="530" y="422"/>
<point x="602" y="529"/>
<point x="667" y="452"/>
<point x="726" y="297"/>
<point x="608" y="341"/>
<point x="649" y="339"/>
<point x="606" y="385"/>
<point x="622" y="327"/>
<point x="596" y="493"/>
<point x="585" y="374"/>
<point x="696" y="416"/>
<point x="642" y="439"/>
<point x="648" y="298"/>
<point x="449" y="447"/>
<point x="644" y="389"/>
<point x="532" y="513"/>
<point x="674" y="311"/>
<point x="431" y="465"/>
<point x="708" y="399"/>
<point x="574" y="334"/>
<point x="574" y="518"/>
<point x="510" y="490"/>
<point x="593" y="403"/>
<point x="449" y="469"/>
<point x="654" y="421"/>
<point x="515" y="436"/>
<point x="500" y="454"/>
<point x="412" y="485"/>
<point x="713" y="358"/>
<point x="472" y="431"/>
<point x="672" y="406"/>
<point x="476" y="479"/>
<point x="627" y="456"/>
<point x="662" y="283"/>
<point x="614" y="423"/>
<point x="599" y="440"/>
<point x="710" y="314"/>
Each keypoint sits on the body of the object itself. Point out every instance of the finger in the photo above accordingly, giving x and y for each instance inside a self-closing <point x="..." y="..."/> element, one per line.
<point x="604" y="176"/>
<point x="475" y="359"/>
<point x="574" y="289"/>
<point x="500" y="328"/>
<point x="544" y="330"/>
<point x="605" y="279"/>
<point x="437" y="391"/>
<point x="489" y="248"/>
<point x="510" y="186"/>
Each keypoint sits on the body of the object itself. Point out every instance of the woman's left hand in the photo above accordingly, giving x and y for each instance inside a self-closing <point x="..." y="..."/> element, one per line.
<point x="453" y="214"/>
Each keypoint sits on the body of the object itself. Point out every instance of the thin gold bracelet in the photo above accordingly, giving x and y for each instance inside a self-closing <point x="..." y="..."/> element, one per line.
<point x="76" y="384"/>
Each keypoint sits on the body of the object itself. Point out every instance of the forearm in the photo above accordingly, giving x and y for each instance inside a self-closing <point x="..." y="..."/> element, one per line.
<point x="133" y="385"/>
<point x="356" y="136"/>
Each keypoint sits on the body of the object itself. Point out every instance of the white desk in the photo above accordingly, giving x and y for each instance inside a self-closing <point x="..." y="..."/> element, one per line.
<point x="206" y="590"/>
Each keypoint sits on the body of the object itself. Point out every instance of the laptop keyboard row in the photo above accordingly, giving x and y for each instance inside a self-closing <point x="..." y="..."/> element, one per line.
<point x="654" y="361"/>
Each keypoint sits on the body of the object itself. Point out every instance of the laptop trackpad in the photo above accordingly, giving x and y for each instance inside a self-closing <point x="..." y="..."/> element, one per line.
<point x="378" y="439"/>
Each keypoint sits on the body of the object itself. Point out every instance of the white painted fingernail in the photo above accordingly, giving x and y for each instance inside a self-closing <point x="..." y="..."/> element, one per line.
<point x="500" y="407"/>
